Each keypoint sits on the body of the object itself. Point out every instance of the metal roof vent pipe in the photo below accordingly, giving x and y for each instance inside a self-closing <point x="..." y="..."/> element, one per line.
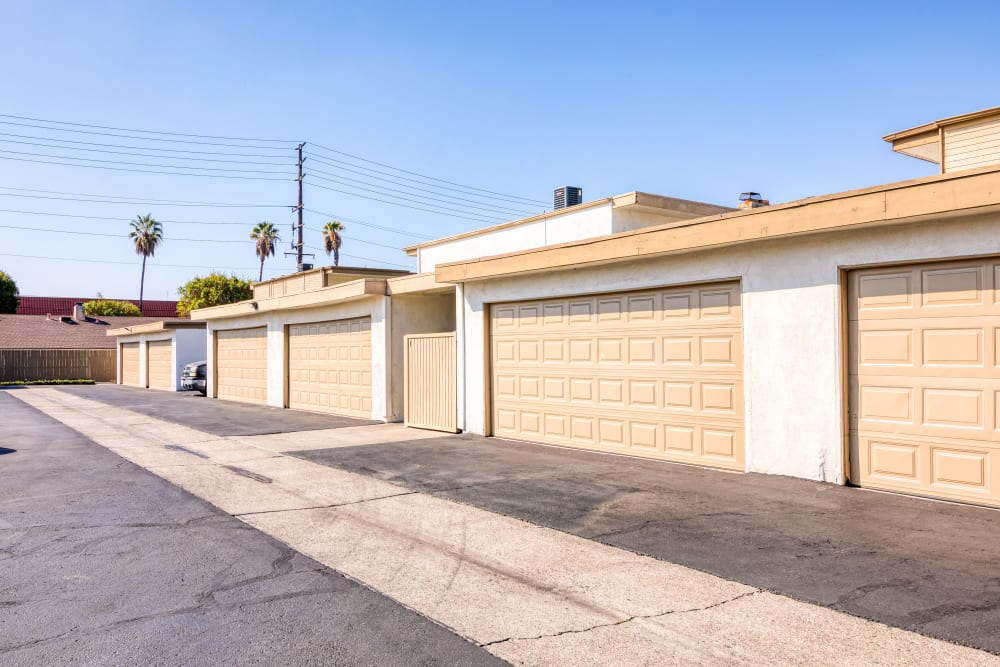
<point x="566" y="196"/>
<point x="79" y="314"/>
<point x="752" y="200"/>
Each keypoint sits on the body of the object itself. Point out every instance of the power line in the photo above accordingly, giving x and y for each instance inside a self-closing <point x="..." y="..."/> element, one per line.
<point x="334" y="216"/>
<point x="117" y="236"/>
<point x="339" y="164"/>
<point x="357" y="240"/>
<point x="141" y="164"/>
<point x="126" y="129"/>
<point x="414" y="173"/>
<point x="146" y="148"/>
<point x="143" y="171"/>
<point x="168" y="157"/>
<point x="396" y="203"/>
<point x="101" y="218"/>
<point x="491" y="209"/>
<point x="128" y="136"/>
<point x="137" y="200"/>
<point x="366" y="259"/>
<point x="109" y="261"/>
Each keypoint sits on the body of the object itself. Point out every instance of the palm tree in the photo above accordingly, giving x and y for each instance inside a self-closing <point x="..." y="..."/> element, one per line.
<point x="266" y="236"/>
<point x="147" y="234"/>
<point x="332" y="239"/>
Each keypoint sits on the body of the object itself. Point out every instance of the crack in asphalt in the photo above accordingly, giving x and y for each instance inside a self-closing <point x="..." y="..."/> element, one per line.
<point x="637" y="617"/>
<point x="324" y="507"/>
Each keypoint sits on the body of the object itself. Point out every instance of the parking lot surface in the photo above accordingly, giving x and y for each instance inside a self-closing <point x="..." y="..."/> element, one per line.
<point x="104" y="563"/>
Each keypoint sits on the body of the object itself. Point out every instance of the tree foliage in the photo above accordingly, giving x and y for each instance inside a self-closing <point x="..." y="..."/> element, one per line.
<point x="110" y="308"/>
<point x="215" y="289"/>
<point x="332" y="240"/>
<point x="266" y="236"/>
<point x="8" y="294"/>
<point x="146" y="234"/>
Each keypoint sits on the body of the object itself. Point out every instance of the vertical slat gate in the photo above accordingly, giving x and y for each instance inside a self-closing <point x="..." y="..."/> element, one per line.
<point x="429" y="376"/>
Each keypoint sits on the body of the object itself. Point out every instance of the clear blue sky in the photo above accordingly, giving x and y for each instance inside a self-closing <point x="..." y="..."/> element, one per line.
<point x="693" y="100"/>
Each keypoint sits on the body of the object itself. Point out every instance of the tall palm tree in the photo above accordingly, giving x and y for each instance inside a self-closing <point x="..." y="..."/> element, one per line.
<point x="332" y="239"/>
<point x="266" y="236"/>
<point x="147" y="234"/>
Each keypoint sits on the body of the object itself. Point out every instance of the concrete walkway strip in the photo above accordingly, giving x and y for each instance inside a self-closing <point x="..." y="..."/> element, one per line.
<point x="530" y="595"/>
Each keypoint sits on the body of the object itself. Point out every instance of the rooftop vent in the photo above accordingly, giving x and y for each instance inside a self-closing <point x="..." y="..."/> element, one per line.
<point x="567" y="196"/>
<point x="752" y="200"/>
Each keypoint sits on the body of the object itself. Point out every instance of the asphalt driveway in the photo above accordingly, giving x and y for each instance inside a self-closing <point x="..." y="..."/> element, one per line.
<point x="222" y="418"/>
<point x="104" y="563"/>
<point x="925" y="566"/>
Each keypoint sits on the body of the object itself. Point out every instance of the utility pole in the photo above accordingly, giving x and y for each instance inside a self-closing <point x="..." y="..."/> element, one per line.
<point x="299" y="246"/>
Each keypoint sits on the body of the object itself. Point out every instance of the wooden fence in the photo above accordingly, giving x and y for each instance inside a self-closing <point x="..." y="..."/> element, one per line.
<point x="97" y="365"/>
<point x="430" y="380"/>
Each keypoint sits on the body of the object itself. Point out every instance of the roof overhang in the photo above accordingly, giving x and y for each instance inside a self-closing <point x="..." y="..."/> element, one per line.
<point x="418" y="283"/>
<point x="155" y="327"/>
<point x="934" y="197"/>
<point x="335" y="294"/>
<point x="924" y="142"/>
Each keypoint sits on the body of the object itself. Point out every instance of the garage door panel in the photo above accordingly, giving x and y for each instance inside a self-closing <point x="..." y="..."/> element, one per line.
<point x="656" y="373"/>
<point x="241" y="365"/>
<point x="924" y="386"/>
<point x="130" y="364"/>
<point x="329" y="368"/>
<point x="159" y="369"/>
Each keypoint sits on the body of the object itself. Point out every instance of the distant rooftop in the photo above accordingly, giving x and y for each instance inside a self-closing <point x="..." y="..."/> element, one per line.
<point x="63" y="305"/>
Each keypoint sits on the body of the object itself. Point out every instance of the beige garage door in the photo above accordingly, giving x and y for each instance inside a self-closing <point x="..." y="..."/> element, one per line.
<point x="656" y="373"/>
<point x="159" y="369"/>
<point x="130" y="364"/>
<point x="241" y="365"/>
<point x="925" y="379"/>
<point x="330" y="367"/>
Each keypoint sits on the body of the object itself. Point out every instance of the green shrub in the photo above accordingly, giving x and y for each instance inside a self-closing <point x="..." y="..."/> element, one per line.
<point x="109" y="308"/>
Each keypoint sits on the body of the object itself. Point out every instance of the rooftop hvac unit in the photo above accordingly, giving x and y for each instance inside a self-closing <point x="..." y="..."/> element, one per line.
<point x="567" y="196"/>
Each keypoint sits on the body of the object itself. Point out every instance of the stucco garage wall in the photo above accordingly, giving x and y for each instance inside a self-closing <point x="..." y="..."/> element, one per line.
<point x="793" y="348"/>
<point x="376" y="307"/>
<point x="415" y="314"/>
<point x="586" y="223"/>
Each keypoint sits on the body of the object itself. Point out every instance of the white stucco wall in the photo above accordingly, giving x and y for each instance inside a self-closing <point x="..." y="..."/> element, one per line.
<point x="583" y="224"/>
<point x="375" y="307"/>
<point x="792" y="322"/>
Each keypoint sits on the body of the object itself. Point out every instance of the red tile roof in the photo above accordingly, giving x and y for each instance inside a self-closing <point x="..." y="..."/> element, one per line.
<point x="39" y="332"/>
<point x="58" y="305"/>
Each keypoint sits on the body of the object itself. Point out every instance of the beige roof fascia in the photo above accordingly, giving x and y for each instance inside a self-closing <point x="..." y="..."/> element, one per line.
<point x="154" y="327"/>
<point x="418" y="283"/>
<point x="345" y="271"/>
<point x="340" y="293"/>
<point x="944" y="122"/>
<point x="932" y="197"/>
<point x="643" y="200"/>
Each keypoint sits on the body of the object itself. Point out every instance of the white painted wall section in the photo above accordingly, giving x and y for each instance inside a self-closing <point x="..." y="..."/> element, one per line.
<point x="572" y="226"/>
<point x="792" y="319"/>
